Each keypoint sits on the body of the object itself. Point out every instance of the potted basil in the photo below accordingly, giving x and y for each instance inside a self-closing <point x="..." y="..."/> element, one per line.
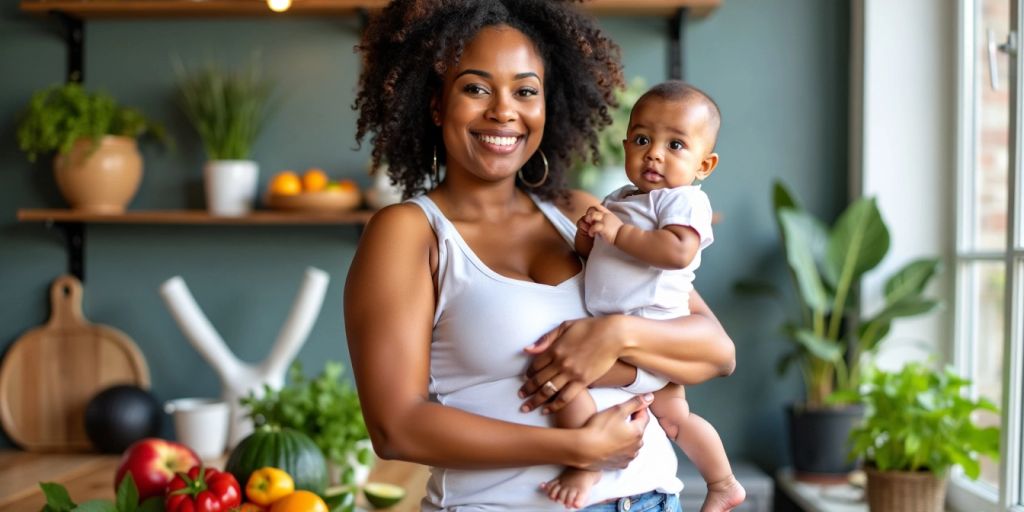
<point x="828" y="342"/>
<point x="918" y="425"/>
<point x="228" y="110"/>
<point x="97" y="165"/>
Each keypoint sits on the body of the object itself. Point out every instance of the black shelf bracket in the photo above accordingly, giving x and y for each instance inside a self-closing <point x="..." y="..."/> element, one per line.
<point x="74" y="242"/>
<point x="74" y="38"/>
<point x="675" y="49"/>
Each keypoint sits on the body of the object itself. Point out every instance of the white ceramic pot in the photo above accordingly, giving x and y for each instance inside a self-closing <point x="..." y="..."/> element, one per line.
<point x="200" y="424"/>
<point x="230" y="186"/>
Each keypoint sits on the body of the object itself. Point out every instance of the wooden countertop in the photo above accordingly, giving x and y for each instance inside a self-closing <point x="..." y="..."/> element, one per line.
<point x="91" y="476"/>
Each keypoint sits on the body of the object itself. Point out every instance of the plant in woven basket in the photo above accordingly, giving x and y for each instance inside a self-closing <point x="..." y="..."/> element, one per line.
<point x="918" y="425"/>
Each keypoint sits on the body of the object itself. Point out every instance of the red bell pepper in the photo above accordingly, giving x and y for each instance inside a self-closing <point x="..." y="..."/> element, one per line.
<point x="214" y="491"/>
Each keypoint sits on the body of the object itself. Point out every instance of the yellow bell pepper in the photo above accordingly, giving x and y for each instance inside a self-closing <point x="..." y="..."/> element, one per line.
<point x="267" y="485"/>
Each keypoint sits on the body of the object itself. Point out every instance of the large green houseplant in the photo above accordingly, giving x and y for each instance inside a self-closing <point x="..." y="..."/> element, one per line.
<point x="97" y="164"/>
<point x="830" y="337"/>
<point x="918" y="425"/>
<point x="228" y="110"/>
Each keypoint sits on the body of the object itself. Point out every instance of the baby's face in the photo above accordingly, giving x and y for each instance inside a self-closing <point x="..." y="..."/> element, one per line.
<point x="667" y="143"/>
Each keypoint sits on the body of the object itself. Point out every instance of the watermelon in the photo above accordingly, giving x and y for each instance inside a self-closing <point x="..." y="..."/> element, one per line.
<point x="282" y="448"/>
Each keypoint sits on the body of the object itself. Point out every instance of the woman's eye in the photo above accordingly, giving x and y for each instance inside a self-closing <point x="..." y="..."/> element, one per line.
<point x="641" y="140"/>
<point x="676" y="145"/>
<point x="528" y="92"/>
<point x="474" y="89"/>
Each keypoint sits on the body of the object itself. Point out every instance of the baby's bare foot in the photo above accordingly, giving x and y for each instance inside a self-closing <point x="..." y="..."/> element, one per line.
<point x="572" y="487"/>
<point x="724" y="495"/>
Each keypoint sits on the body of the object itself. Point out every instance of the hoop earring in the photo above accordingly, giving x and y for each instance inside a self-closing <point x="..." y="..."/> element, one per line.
<point x="543" y="179"/>
<point x="437" y="174"/>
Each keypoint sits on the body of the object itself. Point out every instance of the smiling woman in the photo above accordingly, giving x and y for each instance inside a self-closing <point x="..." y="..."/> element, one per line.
<point x="450" y="291"/>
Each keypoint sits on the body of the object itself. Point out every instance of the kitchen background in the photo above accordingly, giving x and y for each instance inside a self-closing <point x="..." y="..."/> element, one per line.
<point x="778" y="69"/>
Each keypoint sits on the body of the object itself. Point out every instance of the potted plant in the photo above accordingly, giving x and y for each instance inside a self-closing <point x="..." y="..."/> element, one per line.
<point x="918" y="425"/>
<point x="326" y="409"/>
<point x="829" y="341"/>
<point x="227" y="110"/>
<point x="608" y="173"/>
<point x="97" y="164"/>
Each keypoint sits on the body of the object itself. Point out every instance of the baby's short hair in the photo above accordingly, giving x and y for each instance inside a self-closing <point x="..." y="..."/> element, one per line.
<point x="678" y="90"/>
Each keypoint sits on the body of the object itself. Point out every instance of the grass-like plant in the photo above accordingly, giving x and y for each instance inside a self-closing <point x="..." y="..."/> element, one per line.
<point x="227" y="109"/>
<point x="59" y="115"/>
<point x="919" y="419"/>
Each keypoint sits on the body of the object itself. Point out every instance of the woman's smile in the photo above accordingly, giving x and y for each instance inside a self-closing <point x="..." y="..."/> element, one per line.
<point x="501" y="142"/>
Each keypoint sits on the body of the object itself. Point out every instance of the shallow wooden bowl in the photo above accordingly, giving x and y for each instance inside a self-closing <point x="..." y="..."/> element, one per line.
<point x="326" y="201"/>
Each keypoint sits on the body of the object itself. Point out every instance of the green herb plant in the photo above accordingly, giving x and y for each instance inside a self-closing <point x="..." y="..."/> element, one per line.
<point x="58" y="116"/>
<point x="58" y="499"/>
<point x="826" y="263"/>
<point x="609" y="140"/>
<point x="919" y="419"/>
<point x="227" y="109"/>
<point x="325" y="408"/>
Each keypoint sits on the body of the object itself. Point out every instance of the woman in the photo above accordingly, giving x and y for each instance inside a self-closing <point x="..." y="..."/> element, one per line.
<point x="464" y="298"/>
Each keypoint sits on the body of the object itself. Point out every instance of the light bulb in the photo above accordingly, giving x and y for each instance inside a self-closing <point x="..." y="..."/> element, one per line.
<point x="279" y="5"/>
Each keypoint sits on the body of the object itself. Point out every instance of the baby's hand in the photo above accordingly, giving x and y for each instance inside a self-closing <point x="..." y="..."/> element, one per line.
<point x="583" y="227"/>
<point x="602" y="222"/>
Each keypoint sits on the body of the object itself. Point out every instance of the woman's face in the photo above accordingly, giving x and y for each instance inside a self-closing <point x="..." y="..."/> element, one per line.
<point x="491" y="111"/>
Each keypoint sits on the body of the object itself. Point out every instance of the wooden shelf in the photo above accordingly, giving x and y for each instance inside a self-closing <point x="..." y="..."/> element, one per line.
<point x="259" y="217"/>
<point x="205" y="8"/>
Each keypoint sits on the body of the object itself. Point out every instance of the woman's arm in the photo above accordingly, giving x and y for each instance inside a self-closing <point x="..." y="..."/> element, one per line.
<point x="389" y="309"/>
<point x="686" y="350"/>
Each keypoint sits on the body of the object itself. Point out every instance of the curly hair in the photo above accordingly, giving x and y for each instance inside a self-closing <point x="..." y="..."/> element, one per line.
<point x="408" y="47"/>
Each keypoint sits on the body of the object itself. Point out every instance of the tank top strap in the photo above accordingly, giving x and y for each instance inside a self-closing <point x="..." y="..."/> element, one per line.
<point x="565" y="226"/>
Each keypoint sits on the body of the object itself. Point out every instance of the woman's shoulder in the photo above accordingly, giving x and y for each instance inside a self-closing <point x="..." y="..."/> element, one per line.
<point x="575" y="203"/>
<point x="398" y="223"/>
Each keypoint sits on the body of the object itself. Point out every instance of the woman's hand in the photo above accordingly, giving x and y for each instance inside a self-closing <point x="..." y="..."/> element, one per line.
<point x="568" y="359"/>
<point x="612" y="438"/>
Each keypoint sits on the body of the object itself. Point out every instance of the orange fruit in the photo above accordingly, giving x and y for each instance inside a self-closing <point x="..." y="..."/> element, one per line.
<point x="285" y="183"/>
<point x="348" y="186"/>
<point x="314" y="180"/>
<point x="300" y="501"/>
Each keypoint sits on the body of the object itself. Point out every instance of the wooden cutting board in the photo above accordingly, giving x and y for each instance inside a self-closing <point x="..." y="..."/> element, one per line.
<point x="51" y="372"/>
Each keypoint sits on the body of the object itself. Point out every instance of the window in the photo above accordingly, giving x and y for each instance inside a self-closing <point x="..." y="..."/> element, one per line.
<point x="989" y="260"/>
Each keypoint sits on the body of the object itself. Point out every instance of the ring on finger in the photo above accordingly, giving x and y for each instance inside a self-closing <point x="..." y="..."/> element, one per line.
<point x="550" y="388"/>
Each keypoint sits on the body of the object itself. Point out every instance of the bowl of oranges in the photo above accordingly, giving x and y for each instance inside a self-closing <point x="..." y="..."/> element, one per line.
<point x="313" y="191"/>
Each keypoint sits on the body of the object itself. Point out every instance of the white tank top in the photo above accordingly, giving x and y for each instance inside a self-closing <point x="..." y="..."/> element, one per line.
<point x="482" y="323"/>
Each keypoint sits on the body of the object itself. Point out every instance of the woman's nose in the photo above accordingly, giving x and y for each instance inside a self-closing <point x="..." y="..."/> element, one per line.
<point x="502" y="109"/>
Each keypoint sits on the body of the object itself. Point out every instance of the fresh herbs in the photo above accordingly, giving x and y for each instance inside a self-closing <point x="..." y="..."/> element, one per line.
<point x="325" y="408"/>
<point x="227" y="109"/>
<point x="58" y="500"/>
<point x="918" y="419"/>
<point x="58" y="116"/>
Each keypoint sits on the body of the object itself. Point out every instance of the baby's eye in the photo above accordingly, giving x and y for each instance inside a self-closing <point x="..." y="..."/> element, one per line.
<point x="641" y="140"/>
<point x="676" y="145"/>
<point x="474" y="89"/>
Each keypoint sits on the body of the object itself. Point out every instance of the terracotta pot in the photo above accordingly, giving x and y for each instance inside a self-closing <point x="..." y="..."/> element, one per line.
<point x="101" y="178"/>
<point x="905" y="491"/>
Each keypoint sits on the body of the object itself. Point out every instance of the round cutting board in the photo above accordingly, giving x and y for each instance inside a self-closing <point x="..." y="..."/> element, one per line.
<point x="51" y="372"/>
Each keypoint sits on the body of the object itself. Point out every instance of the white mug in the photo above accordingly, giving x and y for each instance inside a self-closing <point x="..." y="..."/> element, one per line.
<point x="200" y="424"/>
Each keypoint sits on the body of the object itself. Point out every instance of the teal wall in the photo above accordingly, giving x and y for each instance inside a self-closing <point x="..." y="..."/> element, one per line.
<point x="778" y="69"/>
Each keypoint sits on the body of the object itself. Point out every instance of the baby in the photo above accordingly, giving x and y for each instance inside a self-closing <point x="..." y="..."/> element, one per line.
<point x="643" y="246"/>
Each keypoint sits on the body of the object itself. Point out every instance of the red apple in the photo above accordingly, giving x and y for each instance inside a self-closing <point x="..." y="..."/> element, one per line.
<point x="153" y="463"/>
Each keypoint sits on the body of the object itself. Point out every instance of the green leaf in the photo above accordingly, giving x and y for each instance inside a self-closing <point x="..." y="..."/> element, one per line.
<point x="907" y="307"/>
<point x="786" y="361"/>
<point x="910" y="280"/>
<point x="154" y="504"/>
<point x="57" y="498"/>
<point x="801" y="233"/>
<point x="127" y="494"/>
<point x="857" y="243"/>
<point x="96" y="506"/>
<point x="872" y="332"/>
<point x="782" y="199"/>
<point x="821" y="348"/>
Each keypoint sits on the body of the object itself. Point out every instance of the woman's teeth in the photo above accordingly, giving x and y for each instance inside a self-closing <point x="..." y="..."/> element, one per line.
<point x="499" y="141"/>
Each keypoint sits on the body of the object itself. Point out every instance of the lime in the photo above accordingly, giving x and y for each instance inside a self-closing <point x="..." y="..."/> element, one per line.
<point x="339" y="498"/>
<point x="381" y="495"/>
